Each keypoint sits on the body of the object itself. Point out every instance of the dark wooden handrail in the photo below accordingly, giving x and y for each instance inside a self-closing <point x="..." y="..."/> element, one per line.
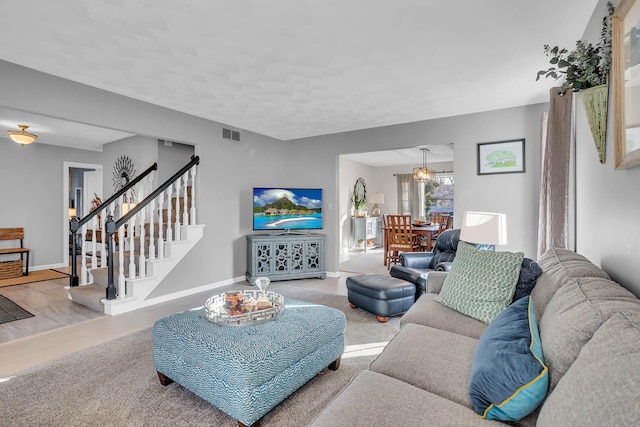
<point x="76" y="223"/>
<point x="115" y="196"/>
<point x="123" y="219"/>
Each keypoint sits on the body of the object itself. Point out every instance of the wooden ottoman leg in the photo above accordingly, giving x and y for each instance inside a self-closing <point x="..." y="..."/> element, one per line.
<point x="164" y="380"/>
<point x="335" y="364"/>
<point x="352" y="305"/>
<point x="256" y="424"/>
<point x="382" y="319"/>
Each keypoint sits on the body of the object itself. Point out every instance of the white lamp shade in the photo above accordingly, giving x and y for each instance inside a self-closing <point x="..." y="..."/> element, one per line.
<point x="487" y="228"/>
<point x="376" y="198"/>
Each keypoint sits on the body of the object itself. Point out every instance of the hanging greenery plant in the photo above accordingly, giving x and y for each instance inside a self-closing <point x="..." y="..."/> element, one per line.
<point x="586" y="70"/>
<point x="587" y="65"/>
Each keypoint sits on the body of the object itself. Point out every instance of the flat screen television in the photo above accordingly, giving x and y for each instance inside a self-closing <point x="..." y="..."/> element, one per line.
<point x="287" y="208"/>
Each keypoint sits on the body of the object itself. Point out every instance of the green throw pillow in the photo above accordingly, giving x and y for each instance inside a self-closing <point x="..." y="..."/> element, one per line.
<point x="481" y="283"/>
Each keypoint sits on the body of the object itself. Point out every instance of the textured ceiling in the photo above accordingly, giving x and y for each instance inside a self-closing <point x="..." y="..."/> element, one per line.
<point x="294" y="68"/>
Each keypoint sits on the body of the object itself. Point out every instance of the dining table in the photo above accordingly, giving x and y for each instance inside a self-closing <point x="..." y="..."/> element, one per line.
<point x="424" y="230"/>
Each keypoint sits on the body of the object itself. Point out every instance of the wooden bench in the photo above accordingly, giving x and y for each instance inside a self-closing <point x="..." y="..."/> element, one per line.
<point x="11" y="268"/>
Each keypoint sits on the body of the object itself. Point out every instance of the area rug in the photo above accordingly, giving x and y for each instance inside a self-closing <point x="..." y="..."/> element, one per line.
<point x="34" y="276"/>
<point x="115" y="384"/>
<point x="10" y="311"/>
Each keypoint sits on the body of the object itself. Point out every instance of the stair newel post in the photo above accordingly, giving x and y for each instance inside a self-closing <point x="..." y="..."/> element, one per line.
<point x="110" y="228"/>
<point x="94" y="242"/>
<point x="152" y="226"/>
<point x="142" y="271"/>
<point x="177" y="209"/>
<point x="185" y="211"/>
<point x="193" y="196"/>
<point x="121" y="278"/>
<point x="83" y="253"/>
<point x="169" y="236"/>
<point x="160" y="226"/>
<point x="132" y="248"/>
<point x="73" y="279"/>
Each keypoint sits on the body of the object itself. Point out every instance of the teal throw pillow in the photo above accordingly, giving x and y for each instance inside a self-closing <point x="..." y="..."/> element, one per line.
<point x="508" y="376"/>
<point x="481" y="283"/>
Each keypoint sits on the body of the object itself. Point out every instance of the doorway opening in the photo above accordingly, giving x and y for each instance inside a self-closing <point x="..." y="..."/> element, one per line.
<point x="82" y="188"/>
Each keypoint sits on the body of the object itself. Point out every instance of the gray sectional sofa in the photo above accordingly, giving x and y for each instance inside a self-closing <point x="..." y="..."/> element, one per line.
<point x="590" y="335"/>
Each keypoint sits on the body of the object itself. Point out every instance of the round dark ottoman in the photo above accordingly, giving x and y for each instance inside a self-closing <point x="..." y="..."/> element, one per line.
<point x="384" y="296"/>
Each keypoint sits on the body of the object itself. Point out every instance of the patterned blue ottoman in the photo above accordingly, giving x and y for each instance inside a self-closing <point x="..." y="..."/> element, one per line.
<point x="248" y="370"/>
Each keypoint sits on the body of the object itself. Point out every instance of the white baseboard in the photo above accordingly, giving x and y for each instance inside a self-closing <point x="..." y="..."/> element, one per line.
<point x="191" y="291"/>
<point x="333" y="274"/>
<point x="46" y="267"/>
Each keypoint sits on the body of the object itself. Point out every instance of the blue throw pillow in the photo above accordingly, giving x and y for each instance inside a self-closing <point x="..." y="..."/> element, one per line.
<point x="508" y="376"/>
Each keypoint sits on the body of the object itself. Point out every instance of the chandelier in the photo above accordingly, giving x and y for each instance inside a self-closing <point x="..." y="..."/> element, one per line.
<point x="21" y="136"/>
<point x="424" y="173"/>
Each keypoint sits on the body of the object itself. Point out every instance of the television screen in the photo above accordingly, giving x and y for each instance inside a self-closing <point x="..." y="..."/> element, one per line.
<point x="287" y="208"/>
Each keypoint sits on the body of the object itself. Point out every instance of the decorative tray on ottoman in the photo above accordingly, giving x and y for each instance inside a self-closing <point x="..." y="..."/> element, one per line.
<point x="239" y="308"/>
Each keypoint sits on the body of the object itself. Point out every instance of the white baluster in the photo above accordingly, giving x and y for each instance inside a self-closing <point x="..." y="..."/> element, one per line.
<point x="169" y="236"/>
<point x="160" y="226"/>
<point x="94" y="242"/>
<point x="152" y="226"/>
<point x="103" y="241"/>
<point x="121" y="279"/>
<point x="185" y="211"/>
<point x="132" y="248"/>
<point x="177" y="209"/>
<point x="142" y="270"/>
<point x="193" y="196"/>
<point x="83" y="256"/>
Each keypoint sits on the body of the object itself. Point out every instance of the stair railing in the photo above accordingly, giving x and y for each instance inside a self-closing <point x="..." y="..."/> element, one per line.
<point x="77" y="229"/>
<point x="134" y="222"/>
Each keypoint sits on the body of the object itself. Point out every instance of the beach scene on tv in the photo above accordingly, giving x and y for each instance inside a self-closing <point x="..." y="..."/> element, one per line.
<point x="287" y="208"/>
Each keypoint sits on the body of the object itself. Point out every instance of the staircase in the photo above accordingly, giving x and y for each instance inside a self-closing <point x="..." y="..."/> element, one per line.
<point x="137" y="242"/>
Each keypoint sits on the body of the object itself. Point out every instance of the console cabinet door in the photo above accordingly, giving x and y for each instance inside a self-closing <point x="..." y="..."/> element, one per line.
<point x="262" y="258"/>
<point x="289" y="257"/>
<point x="313" y="255"/>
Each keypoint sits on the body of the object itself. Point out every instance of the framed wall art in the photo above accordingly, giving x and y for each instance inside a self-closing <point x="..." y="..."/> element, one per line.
<point x="501" y="157"/>
<point x="626" y="83"/>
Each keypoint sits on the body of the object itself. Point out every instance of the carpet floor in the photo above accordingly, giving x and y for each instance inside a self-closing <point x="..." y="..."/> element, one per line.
<point x="10" y="311"/>
<point x="115" y="384"/>
<point x="34" y="276"/>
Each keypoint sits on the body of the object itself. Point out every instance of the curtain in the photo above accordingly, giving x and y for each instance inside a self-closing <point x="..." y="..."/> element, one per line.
<point x="410" y="196"/>
<point x="553" y="217"/>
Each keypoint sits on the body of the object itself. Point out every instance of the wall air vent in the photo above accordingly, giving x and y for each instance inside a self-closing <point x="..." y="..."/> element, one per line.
<point x="231" y="134"/>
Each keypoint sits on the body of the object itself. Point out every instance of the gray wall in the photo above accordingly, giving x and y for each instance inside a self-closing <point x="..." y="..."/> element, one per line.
<point x="227" y="174"/>
<point x="608" y="200"/>
<point x="514" y="194"/>
<point x="142" y="150"/>
<point x="172" y="158"/>
<point x="33" y="195"/>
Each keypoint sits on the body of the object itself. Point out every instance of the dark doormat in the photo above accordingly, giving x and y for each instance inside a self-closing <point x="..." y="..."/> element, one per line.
<point x="10" y="311"/>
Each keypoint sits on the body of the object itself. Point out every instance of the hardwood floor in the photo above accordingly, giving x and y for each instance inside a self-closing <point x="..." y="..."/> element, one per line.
<point x="61" y="327"/>
<point x="49" y="302"/>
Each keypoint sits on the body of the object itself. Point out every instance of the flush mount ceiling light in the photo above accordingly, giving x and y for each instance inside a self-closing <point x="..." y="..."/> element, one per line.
<point x="21" y="136"/>
<point x="424" y="174"/>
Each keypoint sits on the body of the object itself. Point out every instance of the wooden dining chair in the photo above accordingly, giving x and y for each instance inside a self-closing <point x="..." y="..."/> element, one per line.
<point x="446" y="222"/>
<point x="434" y="217"/>
<point x="400" y="238"/>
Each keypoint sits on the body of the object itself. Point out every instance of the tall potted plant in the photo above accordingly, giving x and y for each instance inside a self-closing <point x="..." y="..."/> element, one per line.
<point x="586" y="70"/>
